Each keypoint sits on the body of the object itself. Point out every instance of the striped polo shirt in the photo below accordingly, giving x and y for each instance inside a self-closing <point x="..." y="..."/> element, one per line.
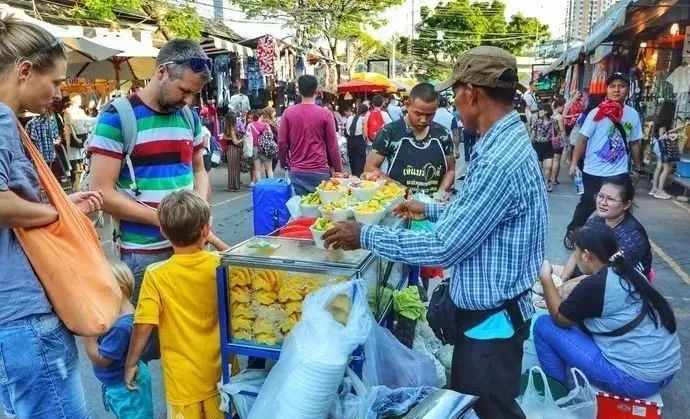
<point x="162" y="160"/>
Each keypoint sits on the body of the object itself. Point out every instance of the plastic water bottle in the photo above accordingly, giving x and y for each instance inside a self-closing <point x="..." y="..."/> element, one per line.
<point x="579" y="186"/>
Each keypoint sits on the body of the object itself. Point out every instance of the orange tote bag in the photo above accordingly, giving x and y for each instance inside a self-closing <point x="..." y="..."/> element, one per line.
<point x="69" y="261"/>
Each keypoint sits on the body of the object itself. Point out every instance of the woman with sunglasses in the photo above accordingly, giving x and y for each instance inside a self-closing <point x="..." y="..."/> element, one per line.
<point x="614" y="327"/>
<point x="39" y="360"/>
<point x="614" y="202"/>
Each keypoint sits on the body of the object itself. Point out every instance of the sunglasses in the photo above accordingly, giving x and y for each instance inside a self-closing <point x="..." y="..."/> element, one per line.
<point x="45" y="49"/>
<point x="196" y="64"/>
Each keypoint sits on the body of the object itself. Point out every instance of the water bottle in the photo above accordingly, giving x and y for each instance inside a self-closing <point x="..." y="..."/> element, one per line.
<point x="579" y="186"/>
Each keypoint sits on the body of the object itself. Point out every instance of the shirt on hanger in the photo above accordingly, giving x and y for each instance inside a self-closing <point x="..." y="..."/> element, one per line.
<point x="680" y="79"/>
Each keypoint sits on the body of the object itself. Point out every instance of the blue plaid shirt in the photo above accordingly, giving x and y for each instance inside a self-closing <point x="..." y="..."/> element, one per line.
<point x="493" y="235"/>
<point x="43" y="132"/>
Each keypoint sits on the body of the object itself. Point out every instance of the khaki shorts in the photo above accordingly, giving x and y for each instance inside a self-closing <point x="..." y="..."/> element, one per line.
<point x="205" y="409"/>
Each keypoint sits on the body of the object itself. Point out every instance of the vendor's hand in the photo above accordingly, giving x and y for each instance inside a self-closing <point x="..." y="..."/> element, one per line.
<point x="87" y="202"/>
<point x="344" y="235"/>
<point x="410" y="210"/>
<point x="546" y="272"/>
<point x="130" y="377"/>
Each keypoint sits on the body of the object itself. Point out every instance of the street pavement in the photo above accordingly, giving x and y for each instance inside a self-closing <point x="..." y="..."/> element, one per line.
<point x="667" y="222"/>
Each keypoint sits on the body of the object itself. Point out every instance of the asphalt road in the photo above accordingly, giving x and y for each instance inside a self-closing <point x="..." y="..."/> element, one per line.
<point x="667" y="222"/>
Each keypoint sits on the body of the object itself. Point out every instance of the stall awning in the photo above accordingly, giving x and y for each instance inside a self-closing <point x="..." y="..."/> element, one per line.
<point x="213" y="46"/>
<point x="647" y="14"/>
<point x="572" y="54"/>
<point x="556" y="65"/>
<point x="612" y="20"/>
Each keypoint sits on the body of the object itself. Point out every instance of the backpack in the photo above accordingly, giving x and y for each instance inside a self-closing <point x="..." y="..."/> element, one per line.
<point x="267" y="146"/>
<point x="128" y="123"/>
<point x="374" y="123"/>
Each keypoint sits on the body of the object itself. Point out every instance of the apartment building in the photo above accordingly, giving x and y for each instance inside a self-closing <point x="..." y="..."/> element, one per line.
<point x="581" y="16"/>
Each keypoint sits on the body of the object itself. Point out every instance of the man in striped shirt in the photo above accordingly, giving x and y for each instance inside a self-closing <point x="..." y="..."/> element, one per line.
<point x="167" y="156"/>
<point x="493" y="236"/>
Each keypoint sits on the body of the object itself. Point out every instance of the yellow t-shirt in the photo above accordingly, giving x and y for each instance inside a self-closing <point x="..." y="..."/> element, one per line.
<point x="179" y="295"/>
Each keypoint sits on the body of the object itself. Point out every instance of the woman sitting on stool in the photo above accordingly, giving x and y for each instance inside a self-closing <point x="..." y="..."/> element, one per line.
<point x="615" y="327"/>
<point x="614" y="200"/>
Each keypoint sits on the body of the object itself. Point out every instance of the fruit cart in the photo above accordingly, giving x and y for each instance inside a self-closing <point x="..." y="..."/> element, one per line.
<point x="262" y="282"/>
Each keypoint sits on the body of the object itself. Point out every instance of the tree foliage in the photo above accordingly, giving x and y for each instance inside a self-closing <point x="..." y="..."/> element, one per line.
<point x="103" y="9"/>
<point x="458" y="25"/>
<point x="335" y="20"/>
<point x="183" y="23"/>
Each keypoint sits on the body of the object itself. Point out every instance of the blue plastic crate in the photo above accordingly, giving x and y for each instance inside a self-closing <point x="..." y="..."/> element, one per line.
<point x="683" y="168"/>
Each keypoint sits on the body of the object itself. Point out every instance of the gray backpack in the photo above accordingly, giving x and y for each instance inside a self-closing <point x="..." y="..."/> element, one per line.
<point x="128" y="122"/>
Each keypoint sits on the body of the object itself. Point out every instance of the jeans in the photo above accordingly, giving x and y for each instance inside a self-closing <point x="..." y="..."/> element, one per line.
<point x="490" y="369"/>
<point x="39" y="369"/>
<point x="560" y="349"/>
<point x="357" y="154"/>
<point x="587" y="204"/>
<point x="306" y="183"/>
<point x="138" y="262"/>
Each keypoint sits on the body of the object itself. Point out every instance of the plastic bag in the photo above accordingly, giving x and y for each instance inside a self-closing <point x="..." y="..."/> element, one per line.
<point x="580" y="403"/>
<point x="387" y="362"/>
<point x="243" y="388"/>
<point x="351" y="398"/>
<point x="248" y="145"/>
<point x="383" y="402"/>
<point x="305" y="381"/>
<point x="428" y="344"/>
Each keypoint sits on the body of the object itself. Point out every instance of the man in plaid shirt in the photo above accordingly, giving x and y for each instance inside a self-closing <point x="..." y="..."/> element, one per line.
<point x="493" y="236"/>
<point x="43" y="131"/>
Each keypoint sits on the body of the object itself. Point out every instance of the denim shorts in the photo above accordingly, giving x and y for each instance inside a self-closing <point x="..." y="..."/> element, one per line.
<point x="39" y="369"/>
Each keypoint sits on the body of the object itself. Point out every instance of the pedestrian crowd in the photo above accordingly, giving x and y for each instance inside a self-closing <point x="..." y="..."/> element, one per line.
<point x="147" y="169"/>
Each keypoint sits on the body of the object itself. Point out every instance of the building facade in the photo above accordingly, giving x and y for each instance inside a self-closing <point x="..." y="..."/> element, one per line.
<point x="581" y="16"/>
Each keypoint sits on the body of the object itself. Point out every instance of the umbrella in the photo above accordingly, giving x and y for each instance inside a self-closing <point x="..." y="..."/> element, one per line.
<point x="361" y="86"/>
<point x="78" y="46"/>
<point x="405" y="83"/>
<point x="377" y="78"/>
<point x="136" y="62"/>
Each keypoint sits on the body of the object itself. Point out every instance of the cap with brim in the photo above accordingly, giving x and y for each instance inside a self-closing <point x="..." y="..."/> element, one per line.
<point x="617" y="76"/>
<point x="483" y="66"/>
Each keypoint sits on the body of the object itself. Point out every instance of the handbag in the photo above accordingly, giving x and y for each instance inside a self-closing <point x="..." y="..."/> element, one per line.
<point x="69" y="261"/>
<point x="248" y="145"/>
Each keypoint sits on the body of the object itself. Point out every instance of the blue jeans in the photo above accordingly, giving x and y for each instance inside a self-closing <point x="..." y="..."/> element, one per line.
<point x="560" y="349"/>
<point x="138" y="262"/>
<point x="39" y="369"/>
<point x="306" y="183"/>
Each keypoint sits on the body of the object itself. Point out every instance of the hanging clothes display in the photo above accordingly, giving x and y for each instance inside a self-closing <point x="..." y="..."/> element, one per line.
<point x="222" y="74"/>
<point x="598" y="84"/>
<point x="242" y="64"/>
<point x="255" y="79"/>
<point x="299" y="66"/>
<point x="267" y="52"/>
<point x="321" y="73"/>
<point x="680" y="80"/>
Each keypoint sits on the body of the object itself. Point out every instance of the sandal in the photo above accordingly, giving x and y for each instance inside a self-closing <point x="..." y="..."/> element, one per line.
<point x="549" y="188"/>
<point x="568" y="241"/>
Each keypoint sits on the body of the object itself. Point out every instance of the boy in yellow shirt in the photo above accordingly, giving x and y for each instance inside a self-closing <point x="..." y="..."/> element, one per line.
<point x="179" y="297"/>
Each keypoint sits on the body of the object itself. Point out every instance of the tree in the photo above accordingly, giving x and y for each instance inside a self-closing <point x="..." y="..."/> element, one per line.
<point x="173" y="21"/>
<point x="459" y="25"/>
<point x="335" y="20"/>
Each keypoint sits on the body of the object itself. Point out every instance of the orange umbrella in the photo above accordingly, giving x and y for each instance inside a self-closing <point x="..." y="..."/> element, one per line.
<point x="361" y="86"/>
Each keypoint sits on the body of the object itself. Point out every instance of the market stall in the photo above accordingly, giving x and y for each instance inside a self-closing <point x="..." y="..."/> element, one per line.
<point x="268" y="284"/>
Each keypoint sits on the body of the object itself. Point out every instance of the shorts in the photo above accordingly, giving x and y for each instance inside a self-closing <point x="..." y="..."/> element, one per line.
<point x="205" y="409"/>
<point x="260" y="156"/>
<point x="125" y="403"/>
<point x="544" y="150"/>
<point x="558" y="150"/>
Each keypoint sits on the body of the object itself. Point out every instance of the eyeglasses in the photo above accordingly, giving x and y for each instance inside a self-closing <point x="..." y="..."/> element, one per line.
<point x="196" y="64"/>
<point x="45" y="49"/>
<point x="606" y="199"/>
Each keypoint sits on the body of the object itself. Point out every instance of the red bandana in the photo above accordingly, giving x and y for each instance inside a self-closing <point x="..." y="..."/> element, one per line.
<point x="609" y="109"/>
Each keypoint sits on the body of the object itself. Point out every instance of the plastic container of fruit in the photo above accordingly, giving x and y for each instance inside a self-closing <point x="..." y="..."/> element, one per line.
<point x="364" y="194"/>
<point x="310" y="210"/>
<point x="318" y="241"/>
<point x="337" y="214"/>
<point x="345" y="181"/>
<point x="331" y="195"/>
<point x="369" y="217"/>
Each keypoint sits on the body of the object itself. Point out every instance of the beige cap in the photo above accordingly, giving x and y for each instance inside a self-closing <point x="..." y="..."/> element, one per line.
<point x="482" y="66"/>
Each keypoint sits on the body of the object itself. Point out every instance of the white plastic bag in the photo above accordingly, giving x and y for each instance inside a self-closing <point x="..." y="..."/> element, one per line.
<point x="293" y="206"/>
<point x="428" y="344"/>
<point x="351" y="398"/>
<point x="383" y="402"/>
<point x="304" y="383"/>
<point x="580" y="403"/>
<point x="387" y="362"/>
<point x="243" y="388"/>
<point x="248" y="144"/>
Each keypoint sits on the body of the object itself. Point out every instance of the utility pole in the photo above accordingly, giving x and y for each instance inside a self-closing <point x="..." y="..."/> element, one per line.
<point x="392" y="69"/>
<point x="411" y="38"/>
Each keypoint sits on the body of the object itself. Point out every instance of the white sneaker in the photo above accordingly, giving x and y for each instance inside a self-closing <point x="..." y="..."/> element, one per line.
<point x="662" y="195"/>
<point x="652" y="192"/>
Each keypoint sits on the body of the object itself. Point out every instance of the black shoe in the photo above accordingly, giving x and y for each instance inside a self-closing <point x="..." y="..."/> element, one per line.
<point x="461" y="177"/>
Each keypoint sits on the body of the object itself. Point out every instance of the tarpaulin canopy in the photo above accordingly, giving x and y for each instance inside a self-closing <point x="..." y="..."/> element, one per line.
<point x="648" y="14"/>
